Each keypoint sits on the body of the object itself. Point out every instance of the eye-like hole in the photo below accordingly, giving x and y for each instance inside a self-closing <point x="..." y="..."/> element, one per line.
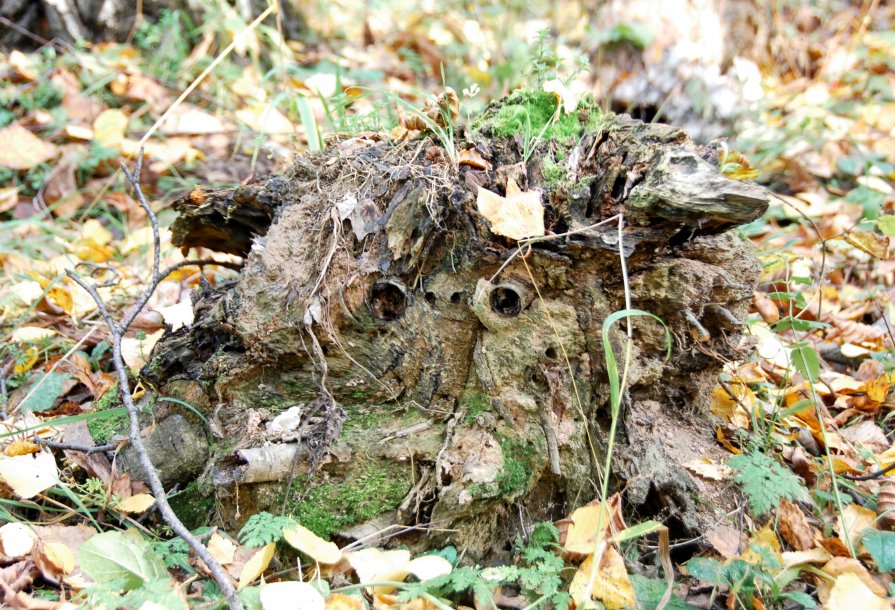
<point x="430" y="298"/>
<point x="388" y="300"/>
<point x="550" y="352"/>
<point x="456" y="298"/>
<point x="506" y="301"/>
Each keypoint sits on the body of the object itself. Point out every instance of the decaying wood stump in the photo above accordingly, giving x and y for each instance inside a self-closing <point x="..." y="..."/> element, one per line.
<point x="370" y="366"/>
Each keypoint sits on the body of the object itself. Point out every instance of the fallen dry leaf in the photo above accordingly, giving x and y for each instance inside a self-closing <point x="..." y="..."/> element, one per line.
<point x="22" y="150"/>
<point x="612" y="586"/>
<point x="794" y="527"/>
<point x="16" y="540"/>
<point x="850" y="592"/>
<point x="255" y="566"/>
<point x="312" y="545"/>
<point x="518" y="215"/>
<point x="28" y="475"/>
<point x="728" y="541"/>
<point x="138" y="503"/>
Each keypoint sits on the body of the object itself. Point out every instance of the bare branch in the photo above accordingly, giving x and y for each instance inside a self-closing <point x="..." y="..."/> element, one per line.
<point x="124" y="390"/>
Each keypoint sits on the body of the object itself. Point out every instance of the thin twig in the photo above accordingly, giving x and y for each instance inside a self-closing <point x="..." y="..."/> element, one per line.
<point x="220" y="576"/>
<point x="73" y="447"/>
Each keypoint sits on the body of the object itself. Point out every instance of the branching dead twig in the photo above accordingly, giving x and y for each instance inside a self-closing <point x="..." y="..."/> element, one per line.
<point x="117" y="331"/>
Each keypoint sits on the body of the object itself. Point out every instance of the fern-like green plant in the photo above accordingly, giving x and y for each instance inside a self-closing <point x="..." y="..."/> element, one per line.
<point x="264" y="528"/>
<point x="765" y="481"/>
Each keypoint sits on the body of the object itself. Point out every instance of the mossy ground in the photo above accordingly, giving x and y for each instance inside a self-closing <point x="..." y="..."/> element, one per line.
<point x="103" y="429"/>
<point x="330" y="507"/>
<point x="518" y="468"/>
<point x="193" y="507"/>
<point x="532" y="113"/>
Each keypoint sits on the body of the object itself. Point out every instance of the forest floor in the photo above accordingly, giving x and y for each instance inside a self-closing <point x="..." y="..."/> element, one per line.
<point x="807" y="418"/>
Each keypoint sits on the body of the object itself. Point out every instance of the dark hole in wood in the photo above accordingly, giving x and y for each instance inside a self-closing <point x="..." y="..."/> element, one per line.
<point x="388" y="300"/>
<point x="456" y="298"/>
<point x="618" y="187"/>
<point x="430" y="298"/>
<point x="506" y="301"/>
<point x="550" y="353"/>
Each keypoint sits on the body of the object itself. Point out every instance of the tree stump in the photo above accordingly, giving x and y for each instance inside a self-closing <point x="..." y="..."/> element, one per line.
<point x="378" y="361"/>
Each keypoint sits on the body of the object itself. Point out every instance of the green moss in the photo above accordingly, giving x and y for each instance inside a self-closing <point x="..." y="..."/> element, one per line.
<point x="330" y="507"/>
<point x="518" y="468"/>
<point x="103" y="429"/>
<point x="555" y="174"/>
<point x="476" y="405"/>
<point x="528" y="112"/>
<point x="193" y="507"/>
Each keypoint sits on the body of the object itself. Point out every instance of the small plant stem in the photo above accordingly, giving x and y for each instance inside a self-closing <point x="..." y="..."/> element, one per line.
<point x="615" y="410"/>
<point x="837" y="497"/>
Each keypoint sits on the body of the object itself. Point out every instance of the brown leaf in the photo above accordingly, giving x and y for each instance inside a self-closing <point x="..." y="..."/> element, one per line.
<point x="873" y="244"/>
<point x="838" y="566"/>
<point x="61" y="187"/>
<point x="80" y="108"/>
<point x="866" y="434"/>
<point x="794" y="527"/>
<point x="766" y="308"/>
<point x="728" y="541"/>
<point x="471" y="157"/>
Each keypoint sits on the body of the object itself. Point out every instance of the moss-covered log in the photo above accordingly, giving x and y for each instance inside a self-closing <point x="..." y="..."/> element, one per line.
<point x="378" y="360"/>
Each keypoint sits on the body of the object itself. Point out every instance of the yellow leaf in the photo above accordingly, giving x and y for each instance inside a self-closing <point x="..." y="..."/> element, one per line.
<point x="517" y="216"/>
<point x="221" y="549"/>
<point x="765" y="537"/>
<point x="22" y="150"/>
<point x="374" y="565"/>
<point x="31" y="355"/>
<point x="61" y="297"/>
<point x="265" y="118"/>
<point x="312" y="545"/>
<point x="855" y="519"/>
<point x="60" y="556"/>
<point x="256" y="565"/>
<point x="93" y="229"/>
<point x="21" y="447"/>
<point x="138" y="503"/>
<point x="32" y="334"/>
<point x="611" y="584"/>
<point x="109" y="128"/>
<point x="582" y="533"/>
<point x="818" y="555"/>
<point x="339" y="601"/>
<point x="567" y="99"/>
<point x="429" y="566"/>
<point x="28" y="475"/>
<point x="850" y="593"/>
<point x="873" y="244"/>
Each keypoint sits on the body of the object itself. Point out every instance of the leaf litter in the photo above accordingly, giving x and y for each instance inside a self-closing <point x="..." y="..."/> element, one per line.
<point x="807" y="409"/>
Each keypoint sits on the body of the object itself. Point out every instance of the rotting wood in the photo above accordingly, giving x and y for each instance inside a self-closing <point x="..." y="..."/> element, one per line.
<point x="373" y="290"/>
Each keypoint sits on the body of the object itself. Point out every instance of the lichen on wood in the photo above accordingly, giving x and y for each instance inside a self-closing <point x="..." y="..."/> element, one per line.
<point x="379" y="294"/>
